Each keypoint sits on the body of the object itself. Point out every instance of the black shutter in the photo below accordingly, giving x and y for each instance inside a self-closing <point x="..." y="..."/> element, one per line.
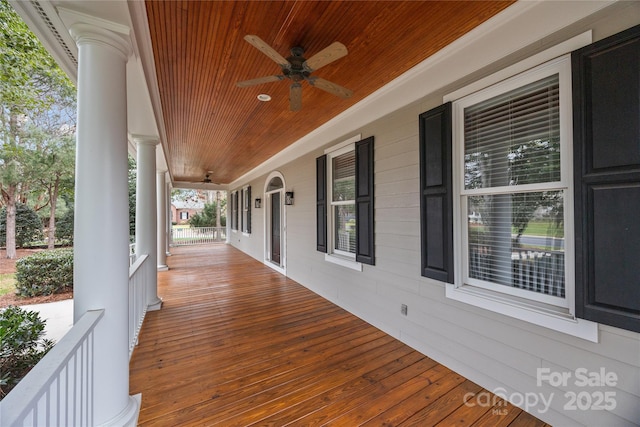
<point x="436" y="201"/>
<point x="234" y="218"/>
<point x="247" y="199"/>
<point x="365" y="240"/>
<point x="321" y="203"/>
<point x="606" y="108"/>
<point x="241" y="210"/>
<point x="236" y="205"/>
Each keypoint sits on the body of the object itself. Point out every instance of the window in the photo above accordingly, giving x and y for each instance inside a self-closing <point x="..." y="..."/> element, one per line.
<point x="345" y="203"/>
<point x="342" y="191"/>
<point x="512" y="191"/>
<point x="246" y="210"/>
<point x="234" y="210"/>
<point x="184" y="215"/>
<point x="512" y="198"/>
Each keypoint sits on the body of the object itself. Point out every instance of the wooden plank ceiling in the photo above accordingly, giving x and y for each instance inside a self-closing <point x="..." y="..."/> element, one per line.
<point x="200" y="54"/>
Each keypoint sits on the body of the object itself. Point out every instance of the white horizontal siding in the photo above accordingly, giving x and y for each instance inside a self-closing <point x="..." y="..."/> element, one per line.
<point x="488" y="348"/>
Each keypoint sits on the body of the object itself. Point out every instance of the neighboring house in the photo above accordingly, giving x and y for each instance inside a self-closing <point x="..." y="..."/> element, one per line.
<point x="401" y="209"/>
<point x="183" y="210"/>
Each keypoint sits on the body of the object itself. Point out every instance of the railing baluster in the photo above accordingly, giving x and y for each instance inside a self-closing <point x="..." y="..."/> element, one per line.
<point x="58" y="387"/>
<point x="139" y="274"/>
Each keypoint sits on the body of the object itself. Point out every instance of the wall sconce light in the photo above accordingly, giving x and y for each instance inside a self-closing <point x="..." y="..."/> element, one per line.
<point x="288" y="198"/>
<point x="258" y="203"/>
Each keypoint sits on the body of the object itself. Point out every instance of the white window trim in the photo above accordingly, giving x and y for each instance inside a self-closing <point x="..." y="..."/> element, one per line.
<point x="561" y="66"/>
<point x="334" y="256"/>
<point x="234" y="214"/>
<point x="510" y="303"/>
<point x="244" y="209"/>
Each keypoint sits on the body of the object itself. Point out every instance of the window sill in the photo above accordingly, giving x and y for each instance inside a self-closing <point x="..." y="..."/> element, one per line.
<point x="539" y="314"/>
<point x="345" y="262"/>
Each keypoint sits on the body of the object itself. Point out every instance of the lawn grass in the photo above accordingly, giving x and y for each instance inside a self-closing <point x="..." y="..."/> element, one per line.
<point x="534" y="228"/>
<point x="7" y="283"/>
<point x="543" y="228"/>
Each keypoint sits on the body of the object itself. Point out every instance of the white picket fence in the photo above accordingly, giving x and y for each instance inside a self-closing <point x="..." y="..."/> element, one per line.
<point x="198" y="235"/>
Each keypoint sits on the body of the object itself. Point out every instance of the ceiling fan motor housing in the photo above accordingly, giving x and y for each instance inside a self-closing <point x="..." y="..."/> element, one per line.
<point x="296" y="70"/>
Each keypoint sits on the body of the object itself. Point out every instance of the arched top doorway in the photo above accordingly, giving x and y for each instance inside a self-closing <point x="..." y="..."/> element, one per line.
<point x="275" y="222"/>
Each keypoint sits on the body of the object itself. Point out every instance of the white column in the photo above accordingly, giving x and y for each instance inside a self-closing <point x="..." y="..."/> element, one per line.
<point x="169" y="225"/>
<point x="101" y="230"/>
<point x="161" y="206"/>
<point x="146" y="220"/>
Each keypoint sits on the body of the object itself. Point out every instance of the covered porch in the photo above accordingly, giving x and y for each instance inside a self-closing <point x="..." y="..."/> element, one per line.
<point x="224" y="339"/>
<point x="237" y="343"/>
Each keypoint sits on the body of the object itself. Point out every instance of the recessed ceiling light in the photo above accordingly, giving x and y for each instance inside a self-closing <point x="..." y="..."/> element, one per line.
<point x="264" y="97"/>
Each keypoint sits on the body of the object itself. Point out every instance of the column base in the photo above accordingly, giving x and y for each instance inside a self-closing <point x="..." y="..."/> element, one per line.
<point x="168" y="253"/>
<point x="155" y="305"/>
<point x="163" y="267"/>
<point x="129" y="416"/>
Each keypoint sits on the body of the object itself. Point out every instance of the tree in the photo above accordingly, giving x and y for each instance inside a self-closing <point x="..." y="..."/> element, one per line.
<point x="210" y="216"/>
<point x="184" y="195"/>
<point x="33" y="92"/>
<point x="64" y="226"/>
<point x="27" y="223"/>
<point x="53" y="165"/>
<point x="529" y="162"/>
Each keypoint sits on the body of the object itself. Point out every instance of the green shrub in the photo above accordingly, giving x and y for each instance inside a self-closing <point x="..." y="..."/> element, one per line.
<point x="28" y="226"/>
<point x="64" y="227"/>
<point x="21" y="345"/>
<point x="45" y="273"/>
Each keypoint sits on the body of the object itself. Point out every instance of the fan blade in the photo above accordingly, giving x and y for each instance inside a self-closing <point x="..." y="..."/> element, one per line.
<point x="327" y="55"/>
<point x="330" y="87"/>
<point x="259" y="80"/>
<point x="295" y="97"/>
<point x="263" y="47"/>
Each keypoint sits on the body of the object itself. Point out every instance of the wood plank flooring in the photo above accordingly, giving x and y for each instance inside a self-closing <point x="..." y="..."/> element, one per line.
<point x="238" y="344"/>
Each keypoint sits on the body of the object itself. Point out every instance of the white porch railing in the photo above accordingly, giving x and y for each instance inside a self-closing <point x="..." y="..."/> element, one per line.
<point x="197" y="235"/>
<point x="132" y="253"/>
<point x="139" y="275"/>
<point x="59" y="390"/>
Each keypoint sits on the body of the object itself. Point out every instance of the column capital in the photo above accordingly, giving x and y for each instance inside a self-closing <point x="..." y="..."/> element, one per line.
<point x="87" y="29"/>
<point x="145" y="140"/>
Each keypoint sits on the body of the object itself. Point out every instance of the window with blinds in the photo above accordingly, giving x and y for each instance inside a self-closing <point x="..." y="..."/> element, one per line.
<point x="512" y="191"/>
<point x="343" y="199"/>
<point x="514" y="138"/>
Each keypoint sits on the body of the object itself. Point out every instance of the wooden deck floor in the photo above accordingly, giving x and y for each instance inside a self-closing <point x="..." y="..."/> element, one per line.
<point x="239" y="344"/>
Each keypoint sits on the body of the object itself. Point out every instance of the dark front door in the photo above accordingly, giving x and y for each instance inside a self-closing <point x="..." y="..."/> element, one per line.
<point x="275" y="228"/>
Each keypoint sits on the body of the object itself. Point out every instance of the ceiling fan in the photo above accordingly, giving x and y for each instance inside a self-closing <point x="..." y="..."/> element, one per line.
<point x="297" y="69"/>
<point x="205" y="180"/>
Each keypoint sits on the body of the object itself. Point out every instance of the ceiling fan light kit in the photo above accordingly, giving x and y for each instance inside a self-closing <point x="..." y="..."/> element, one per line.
<point x="297" y="69"/>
